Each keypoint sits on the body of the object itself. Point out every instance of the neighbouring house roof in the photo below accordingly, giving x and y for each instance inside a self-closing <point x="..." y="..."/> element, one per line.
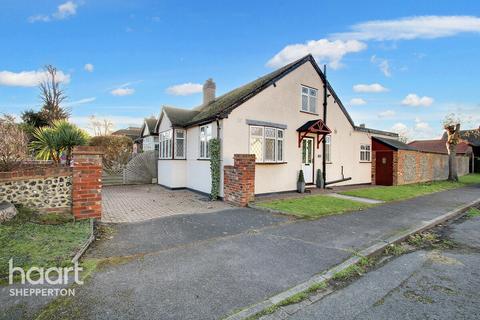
<point x="150" y="123"/>
<point x="131" y="132"/>
<point x="395" y="144"/>
<point x="439" y="146"/>
<point x="224" y="104"/>
<point x="375" y="131"/>
<point x="472" y="136"/>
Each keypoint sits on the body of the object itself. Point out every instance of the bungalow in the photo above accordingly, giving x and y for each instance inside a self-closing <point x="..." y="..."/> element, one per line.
<point x="290" y="119"/>
<point x="148" y="136"/>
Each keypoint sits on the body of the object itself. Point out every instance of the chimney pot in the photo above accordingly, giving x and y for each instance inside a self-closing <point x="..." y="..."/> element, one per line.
<point x="209" y="88"/>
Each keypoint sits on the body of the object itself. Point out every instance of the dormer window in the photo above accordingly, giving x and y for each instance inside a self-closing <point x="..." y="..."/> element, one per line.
<point x="309" y="99"/>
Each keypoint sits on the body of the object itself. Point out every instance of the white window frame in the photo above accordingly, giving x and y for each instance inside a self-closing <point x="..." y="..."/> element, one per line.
<point x="310" y="109"/>
<point x="165" y="144"/>
<point x="365" y="153"/>
<point x="175" y="149"/>
<point x="278" y="158"/>
<point x="328" y="148"/>
<point x="205" y="148"/>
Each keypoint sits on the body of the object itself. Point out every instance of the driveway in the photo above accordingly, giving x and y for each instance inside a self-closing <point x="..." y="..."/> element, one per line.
<point x="134" y="203"/>
<point x="204" y="266"/>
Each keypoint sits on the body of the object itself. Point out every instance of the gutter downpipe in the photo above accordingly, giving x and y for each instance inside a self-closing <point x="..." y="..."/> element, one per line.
<point x="324" y="147"/>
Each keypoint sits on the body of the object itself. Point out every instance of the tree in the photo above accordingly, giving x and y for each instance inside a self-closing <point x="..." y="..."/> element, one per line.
<point x="52" y="96"/>
<point x="52" y="142"/>
<point x="32" y="120"/>
<point x="101" y="127"/>
<point x="451" y="125"/>
<point x="117" y="151"/>
<point x="13" y="144"/>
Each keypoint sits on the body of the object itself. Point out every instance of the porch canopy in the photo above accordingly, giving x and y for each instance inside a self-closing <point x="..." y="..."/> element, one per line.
<point x="317" y="127"/>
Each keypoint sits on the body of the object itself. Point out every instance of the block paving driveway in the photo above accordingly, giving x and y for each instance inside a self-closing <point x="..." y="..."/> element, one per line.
<point x="135" y="203"/>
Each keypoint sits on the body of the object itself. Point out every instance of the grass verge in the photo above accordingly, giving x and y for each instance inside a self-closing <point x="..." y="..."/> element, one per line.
<point x="473" y="212"/>
<point x="412" y="190"/>
<point x="40" y="240"/>
<point x="312" y="207"/>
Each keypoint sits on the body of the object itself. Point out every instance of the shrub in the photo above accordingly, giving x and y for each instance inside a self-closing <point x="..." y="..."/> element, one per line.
<point x="117" y="151"/>
<point x="215" y="168"/>
<point x="13" y="144"/>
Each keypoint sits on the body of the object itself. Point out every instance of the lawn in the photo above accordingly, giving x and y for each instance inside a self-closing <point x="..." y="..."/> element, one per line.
<point x="32" y="240"/>
<point x="312" y="207"/>
<point x="412" y="190"/>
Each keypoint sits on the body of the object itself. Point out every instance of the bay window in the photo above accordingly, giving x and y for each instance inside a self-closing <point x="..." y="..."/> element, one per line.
<point x="266" y="144"/>
<point x="165" y="144"/>
<point x="179" y="144"/>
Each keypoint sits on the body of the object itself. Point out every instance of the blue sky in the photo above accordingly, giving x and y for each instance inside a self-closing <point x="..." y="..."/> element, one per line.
<point x="396" y="65"/>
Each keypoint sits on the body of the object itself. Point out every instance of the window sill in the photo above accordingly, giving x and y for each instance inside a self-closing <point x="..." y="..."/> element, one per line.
<point x="203" y="159"/>
<point x="261" y="163"/>
<point x="308" y="112"/>
<point x="365" y="161"/>
<point x="172" y="159"/>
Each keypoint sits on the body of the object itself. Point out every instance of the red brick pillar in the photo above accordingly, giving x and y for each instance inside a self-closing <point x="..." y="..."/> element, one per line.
<point x="87" y="183"/>
<point x="239" y="180"/>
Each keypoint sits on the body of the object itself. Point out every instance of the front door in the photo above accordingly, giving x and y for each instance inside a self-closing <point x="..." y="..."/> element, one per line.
<point x="384" y="168"/>
<point x="307" y="159"/>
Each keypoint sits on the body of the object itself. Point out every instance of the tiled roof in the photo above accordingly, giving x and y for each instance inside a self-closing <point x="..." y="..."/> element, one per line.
<point x="472" y="136"/>
<point x="224" y="104"/>
<point x="438" y="146"/>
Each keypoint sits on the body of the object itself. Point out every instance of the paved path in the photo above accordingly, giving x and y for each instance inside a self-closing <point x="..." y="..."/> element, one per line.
<point x="434" y="284"/>
<point x="205" y="266"/>
<point x="133" y="203"/>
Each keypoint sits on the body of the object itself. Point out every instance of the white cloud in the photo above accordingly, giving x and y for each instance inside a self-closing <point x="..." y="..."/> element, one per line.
<point x="369" y="88"/>
<point x="81" y="101"/>
<point x="89" y="67"/>
<point x="29" y="78"/>
<point x="184" y="89"/>
<point x="409" y="28"/>
<point x="387" y="114"/>
<point x="383" y="65"/>
<point x="323" y="50"/>
<point x="416" y="101"/>
<point x="422" y="126"/>
<point x="122" y="91"/>
<point x="357" y="102"/>
<point x="64" y="11"/>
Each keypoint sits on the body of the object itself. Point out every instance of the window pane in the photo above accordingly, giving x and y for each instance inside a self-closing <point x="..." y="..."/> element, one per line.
<point x="269" y="149"/>
<point x="313" y="92"/>
<point x="256" y="131"/>
<point x="180" y="133"/>
<point x="269" y="133"/>
<point x="313" y="104"/>
<point x="179" y="148"/>
<point x="280" y="134"/>
<point x="256" y="148"/>
<point x="304" y="90"/>
<point x="304" y="102"/>
<point x="280" y="150"/>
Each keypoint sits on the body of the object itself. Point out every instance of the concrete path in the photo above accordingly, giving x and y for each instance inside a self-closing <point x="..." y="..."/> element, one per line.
<point x="205" y="266"/>
<point x="364" y="200"/>
<point x="442" y="284"/>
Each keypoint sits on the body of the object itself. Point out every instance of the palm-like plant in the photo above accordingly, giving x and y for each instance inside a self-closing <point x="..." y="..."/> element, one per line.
<point x="51" y="142"/>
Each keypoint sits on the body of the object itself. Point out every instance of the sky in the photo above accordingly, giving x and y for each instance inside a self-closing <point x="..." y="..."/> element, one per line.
<point x="396" y="65"/>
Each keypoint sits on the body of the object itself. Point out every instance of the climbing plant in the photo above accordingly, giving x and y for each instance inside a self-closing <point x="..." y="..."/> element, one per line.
<point x="215" y="168"/>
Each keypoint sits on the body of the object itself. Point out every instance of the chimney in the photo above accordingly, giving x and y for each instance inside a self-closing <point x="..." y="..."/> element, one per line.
<point x="362" y="125"/>
<point x="208" y="91"/>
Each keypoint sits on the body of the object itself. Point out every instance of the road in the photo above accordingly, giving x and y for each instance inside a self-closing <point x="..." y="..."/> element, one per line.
<point x="425" y="284"/>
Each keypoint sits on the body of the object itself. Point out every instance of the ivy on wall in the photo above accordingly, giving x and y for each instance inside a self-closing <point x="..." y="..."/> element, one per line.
<point x="215" y="168"/>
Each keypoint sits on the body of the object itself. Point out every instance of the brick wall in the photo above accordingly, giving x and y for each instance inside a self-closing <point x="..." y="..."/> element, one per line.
<point x="87" y="183"/>
<point x="414" y="166"/>
<point x="239" y="180"/>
